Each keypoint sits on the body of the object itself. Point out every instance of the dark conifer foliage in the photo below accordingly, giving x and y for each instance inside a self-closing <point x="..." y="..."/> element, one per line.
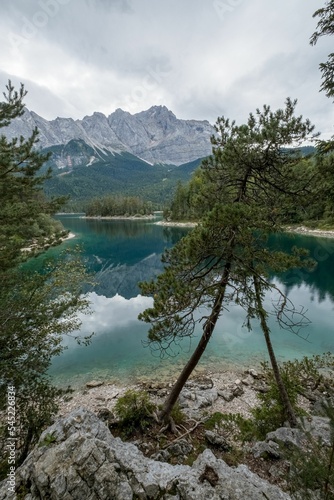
<point x="325" y="27"/>
<point x="24" y="211"/>
<point x="249" y="185"/>
<point x="36" y="308"/>
<point x="117" y="205"/>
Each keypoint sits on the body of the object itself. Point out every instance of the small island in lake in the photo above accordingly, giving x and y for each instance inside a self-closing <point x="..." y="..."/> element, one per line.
<point x="119" y="207"/>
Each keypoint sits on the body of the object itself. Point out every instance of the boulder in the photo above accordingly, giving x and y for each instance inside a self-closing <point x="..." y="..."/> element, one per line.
<point x="84" y="461"/>
<point x="317" y="427"/>
<point x="195" y="400"/>
<point x="180" y="448"/>
<point x="287" y="437"/>
<point x="217" y="440"/>
<point x="248" y="381"/>
<point x="266" y="450"/>
<point x="238" y="391"/>
<point x="201" y="384"/>
<point x="253" y="373"/>
<point x="94" y="383"/>
<point x="226" y="394"/>
<point x="205" y="398"/>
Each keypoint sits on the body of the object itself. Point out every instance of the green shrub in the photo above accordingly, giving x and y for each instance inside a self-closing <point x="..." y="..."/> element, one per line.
<point x="214" y="421"/>
<point x="134" y="410"/>
<point x="312" y="469"/>
<point x="270" y="414"/>
<point x="177" y="414"/>
<point x="298" y="376"/>
<point x="234" y="425"/>
<point x="48" y="440"/>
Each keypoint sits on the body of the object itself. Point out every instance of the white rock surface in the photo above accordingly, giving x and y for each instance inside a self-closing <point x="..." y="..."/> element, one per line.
<point x="86" y="462"/>
<point x="155" y="135"/>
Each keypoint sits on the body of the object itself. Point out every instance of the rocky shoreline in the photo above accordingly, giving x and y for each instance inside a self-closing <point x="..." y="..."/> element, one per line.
<point x="80" y="455"/>
<point x="69" y="236"/>
<point x="230" y="391"/>
<point x="321" y="233"/>
<point x="175" y="224"/>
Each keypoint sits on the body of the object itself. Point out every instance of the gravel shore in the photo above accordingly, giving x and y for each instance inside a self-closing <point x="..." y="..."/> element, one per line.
<point x="321" y="233"/>
<point x="99" y="395"/>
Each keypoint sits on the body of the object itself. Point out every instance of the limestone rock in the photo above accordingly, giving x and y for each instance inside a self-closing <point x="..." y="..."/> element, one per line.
<point x="180" y="448"/>
<point x="202" y="383"/>
<point x="226" y="394"/>
<point x="155" y="135"/>
<point x="319" y="428"/>
<point x="253" y="373"/>
<point x="248" y="381"/>
<point x="287" y="437"/>
<point x="194" y="400"/>
<point x="86" y="462"/>
<point x="217" y="440"/>
<point x="266" y="449"/>
<point x="238" y="391"/>
<point x="94" y="383"/>
<point x="206" y="398"/>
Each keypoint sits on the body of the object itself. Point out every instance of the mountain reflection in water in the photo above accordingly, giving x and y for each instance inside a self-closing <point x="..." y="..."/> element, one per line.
<point x="123" y="253"/>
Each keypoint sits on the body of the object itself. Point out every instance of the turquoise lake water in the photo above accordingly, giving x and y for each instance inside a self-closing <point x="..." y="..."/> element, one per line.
<point x="122" y="253"/>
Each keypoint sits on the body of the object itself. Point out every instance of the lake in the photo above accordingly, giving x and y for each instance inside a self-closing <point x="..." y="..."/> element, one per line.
<point x="124" y="252"/>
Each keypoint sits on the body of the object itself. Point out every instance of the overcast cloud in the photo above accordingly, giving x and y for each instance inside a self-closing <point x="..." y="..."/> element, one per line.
<point x="200" y="58"/>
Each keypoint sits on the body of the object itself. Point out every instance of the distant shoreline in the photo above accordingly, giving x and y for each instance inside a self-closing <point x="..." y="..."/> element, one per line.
<point x="47" y="243"/>
<point x="119" y="217"/>
<point x="321" y="233"/>
<point x="175" y="223"/>
<point x="303" y="230"/>
<point x="68" y="213"/>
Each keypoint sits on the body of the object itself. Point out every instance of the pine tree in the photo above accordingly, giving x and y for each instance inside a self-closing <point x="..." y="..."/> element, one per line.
<point x="325" y="148"/>
<point x="252" y="183"/>
<point x="24" y="211"/>
<point x="36" y="308"/>
<point x="325" y="27"/>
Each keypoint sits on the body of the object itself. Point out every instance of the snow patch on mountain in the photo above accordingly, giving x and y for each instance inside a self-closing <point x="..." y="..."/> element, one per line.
<point x="154" y="135"/>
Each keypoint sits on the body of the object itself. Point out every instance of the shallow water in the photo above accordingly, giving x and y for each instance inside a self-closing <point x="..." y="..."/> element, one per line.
<point x="122" y="253"/>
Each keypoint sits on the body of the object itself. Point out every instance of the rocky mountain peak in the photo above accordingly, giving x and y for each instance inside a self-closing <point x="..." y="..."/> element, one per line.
<point x="97" y="115"/>
<point x="155" y="135"/>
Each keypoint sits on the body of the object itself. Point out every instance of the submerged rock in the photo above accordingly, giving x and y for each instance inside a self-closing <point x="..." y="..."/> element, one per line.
<point x="94" y="383"/>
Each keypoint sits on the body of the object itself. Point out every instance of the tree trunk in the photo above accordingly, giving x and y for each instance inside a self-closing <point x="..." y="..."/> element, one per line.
<point x="208" y="329"/>
<point x="290" y="414"/>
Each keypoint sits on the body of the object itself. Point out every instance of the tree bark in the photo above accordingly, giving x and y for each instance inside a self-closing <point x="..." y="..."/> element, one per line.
<point x="290" y="414"/>
<point x="208" y="329"/>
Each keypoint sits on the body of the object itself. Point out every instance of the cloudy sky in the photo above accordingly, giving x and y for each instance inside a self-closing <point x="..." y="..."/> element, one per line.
<point x="200" y="58"/>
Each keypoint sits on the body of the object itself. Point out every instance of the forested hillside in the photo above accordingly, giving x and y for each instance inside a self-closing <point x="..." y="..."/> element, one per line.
<point x="115" y="174"/>
<point x="192" y="200"/>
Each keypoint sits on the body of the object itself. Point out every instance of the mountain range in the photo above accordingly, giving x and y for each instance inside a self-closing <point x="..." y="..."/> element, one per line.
<point x="145" y="154"/>
<point x="154" y="135"/>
